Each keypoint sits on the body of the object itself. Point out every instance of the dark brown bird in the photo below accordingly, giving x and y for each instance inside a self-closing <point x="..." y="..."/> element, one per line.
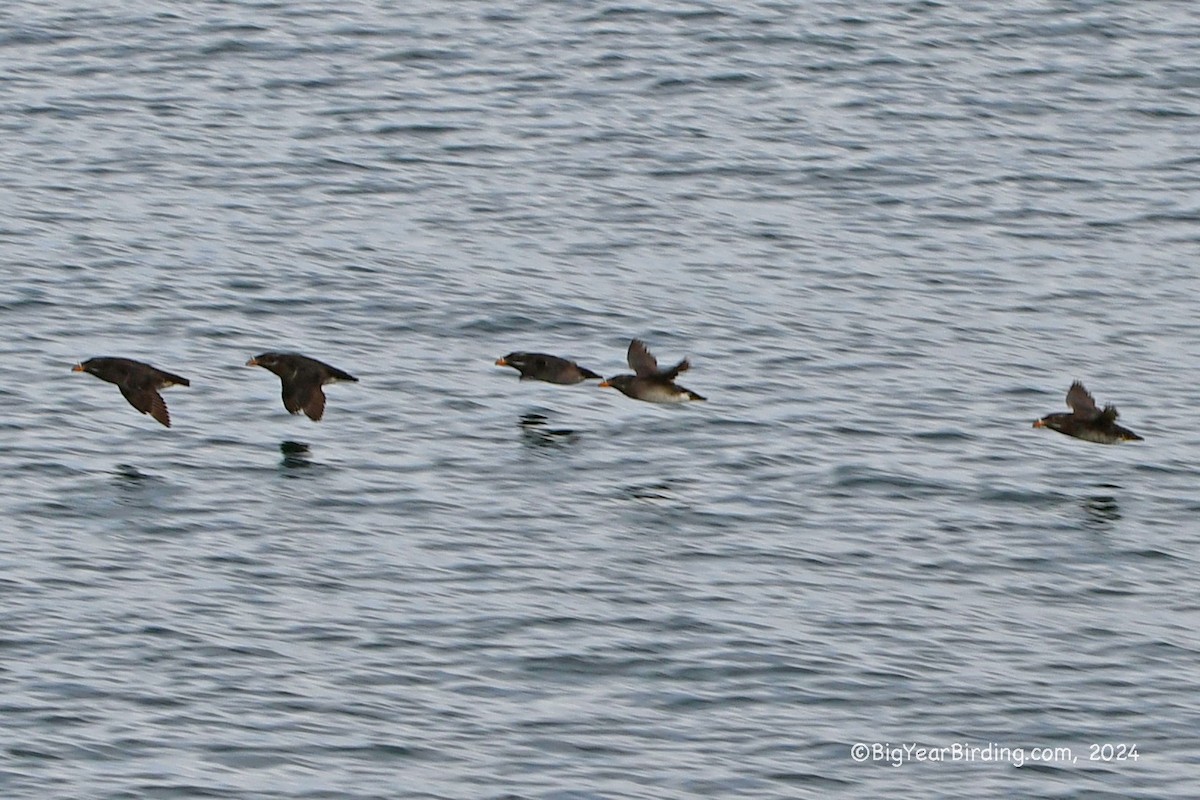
<point x="138" y="382"/>
<point x="542" y="367"/>
<point x="649" y="383"/>
<point x="1086" y="421"/>
<point x="302" y="379"/>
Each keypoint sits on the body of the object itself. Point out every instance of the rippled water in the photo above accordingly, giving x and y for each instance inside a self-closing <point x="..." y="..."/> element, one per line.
<point x="887" y="236"/>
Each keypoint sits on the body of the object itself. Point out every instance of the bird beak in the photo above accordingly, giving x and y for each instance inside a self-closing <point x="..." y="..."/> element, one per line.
<point x="1039" y="423"/>
<point x="500" y="362"/>
<point x="604" y="384"/>
<point x="252" y="362"/>
<point x="77" y="368"/>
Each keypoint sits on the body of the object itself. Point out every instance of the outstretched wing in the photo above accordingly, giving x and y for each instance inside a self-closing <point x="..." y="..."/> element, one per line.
<point x="314" y="404"/>
<point x="148" y="401"/>
<point x="640" y="361"/>
<point x="302" y="389"/>
<point x="1080" y="401"/>
<point x="294" y="395"/>
<point x="682" y="366"/>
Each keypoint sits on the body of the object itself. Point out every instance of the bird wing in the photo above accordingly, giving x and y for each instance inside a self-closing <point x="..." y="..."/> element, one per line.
<point x="293" y="396"/>
<point x="147" y="400"/>
<point x="314" y="404"/>
<point x="1080" y="400"/>
<point x="640" y="361"/>
<point x="682" y="366"/>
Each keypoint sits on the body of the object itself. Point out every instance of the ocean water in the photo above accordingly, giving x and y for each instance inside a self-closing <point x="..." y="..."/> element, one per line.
<point x="888" y="237"/>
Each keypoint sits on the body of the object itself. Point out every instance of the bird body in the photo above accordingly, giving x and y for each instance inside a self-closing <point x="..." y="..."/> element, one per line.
<point x="648" y="382"/>
<point x="139" y="382"/>
<point x="1086" y="421"/>
<point x="548" y="368"/>
<point x="302" y="378"/>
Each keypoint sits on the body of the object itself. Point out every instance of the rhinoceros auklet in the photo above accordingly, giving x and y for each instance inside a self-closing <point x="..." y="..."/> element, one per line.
<point x="302" y="379"/>
<point x="543" y="367"/>
<point x="138" y="382"/>
<point x="649" y="383"/>
<point x="1086" y="421"/>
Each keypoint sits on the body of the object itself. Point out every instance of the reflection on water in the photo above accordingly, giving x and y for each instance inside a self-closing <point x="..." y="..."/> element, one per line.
<point x="658" y="490"/>
<point x="535" y="433"/>
<point x="139" y="490"/>
<point x="127" y="472"/>
<point x="1102" y="509"/>
<point x="295" y="455"/>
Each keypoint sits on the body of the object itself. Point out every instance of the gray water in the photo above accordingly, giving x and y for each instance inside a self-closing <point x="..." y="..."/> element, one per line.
<point x="888" y="236"/>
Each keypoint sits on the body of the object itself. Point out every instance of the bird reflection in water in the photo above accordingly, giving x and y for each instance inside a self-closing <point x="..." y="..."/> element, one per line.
<point x="127" y="472"/>
<point x="295" y="455"/>
<point x="139" y="491"/>
<point x="1102" y="509"/>
<point x="535" y="433"/>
